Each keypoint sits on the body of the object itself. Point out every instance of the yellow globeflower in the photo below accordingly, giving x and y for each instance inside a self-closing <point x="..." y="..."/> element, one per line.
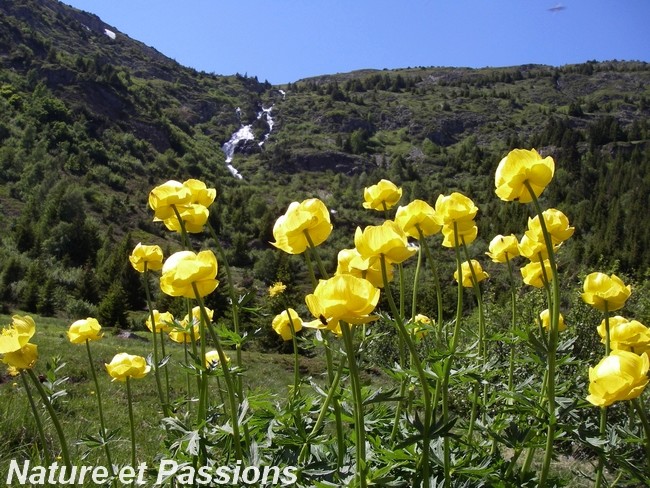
<point x="417" y="215"/>
<point x="23" y="358"/>
<point x="194" y="217"/>
<point x="164" y="321"/>
<point x="532" y="248"/>
<point x="184" y="333"/>
<point x="421" y="326"/>
<point x="18" y="334"/>
<point x="467" y="279"/>
<point x="519" y="167"/>
<point x="454" y="208"/>
<point x="343" y="297"/>
<point x="84" y="330"/>
<point x="466" y="232"/>
<point x="185" y="270"/>
<point x="309" y="217"/>
<point x="459" y="211"/>
<point x="212" y="360"/>
<point x="503" y="248"/>
<point x="125" y="366"/>
<point x="620" y="376"/>
<point x="545" y="318"/>
<point x="382" y="196"/>
<point x="163" y="197"/>
<point x="605" y="292"/>
<point x="534" y="275"/>
<point x="151" y="256"/>
<point x="386" y="239"/>
<point x="281" y="324"/>
<point x="277" y="289"/>
<point x="557" y="225"/>
<point x="351" y="262"/>
<point x="191" y="200"/>
<point x="626" y="335"/>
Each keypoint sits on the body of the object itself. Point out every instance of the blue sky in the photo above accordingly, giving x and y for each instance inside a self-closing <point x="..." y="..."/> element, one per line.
<point x="286" y="40"/>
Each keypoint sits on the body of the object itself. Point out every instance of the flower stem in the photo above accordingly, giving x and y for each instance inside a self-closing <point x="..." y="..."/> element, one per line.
<point x="100" y="408"/>
<point x="603" y="410"/>
<point x="55" y="420"/>
<point x="154" y="338"/>
<point x="37" y="418"/>
<point x="296" y="359"/>
<point x="554" y="309"/>
<point x="513" y="325"/>
<point x="131" y="420"/>
<point x="359" y="420"/>
<point x="421" y="374"/>
<point x="434" y="271"/>
<point x="234" y="408"/>
<point x="646" y="427"/>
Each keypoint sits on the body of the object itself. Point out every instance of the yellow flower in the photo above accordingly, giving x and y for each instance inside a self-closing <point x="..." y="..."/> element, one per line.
<point x="164" y="321"/>
<point x="212" y="360"/>
<point x="534" y="275"/>
<point x="519" y="167"/>
<point x="465" y="232"/>
<point x="83" y="330"/>
<point x="545" y="318"/>
<point x="183" y="335"/>
<point x="421" y="326"/>
<point x="351" y="262"/>
<point x="343" y="297"/>
<point x="201" y="194"/>
<point x="454" y="208"/>
<point x="382" y="196"/>
<point x="626" y="335"/>
<point x="417" y="214"/>
<point x="605" y="292"/>
<point x="194" y="217"/>
<point x="184" y="270"/>
<point x="23" y="358"/>
<point x="467" y="279"/>
<point x="557" y="225"/>
<point x="125" y="366"/>
<point x="620" y="376"/>
<point x="532" y="248"/>
<point x="307" y="217"/>
<point x="191" y="200"/>
<point x="386" y="239"/>
<point x="277" y="289"/>
<point x="503" y="248"/>
<point x="18" y="334"/>
<point x="163" y="197"/>
<point x="149" y="256"/>
<point x="281" y="324"/>
<point x="459" y="210"/>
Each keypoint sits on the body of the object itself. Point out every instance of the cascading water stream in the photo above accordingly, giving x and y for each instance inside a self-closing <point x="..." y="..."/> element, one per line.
<point x="245" y="133"/>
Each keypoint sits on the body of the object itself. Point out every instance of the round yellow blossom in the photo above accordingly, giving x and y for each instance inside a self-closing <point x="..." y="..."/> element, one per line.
<point x="467" y="279"/>
<point x="185" y="270"/>
<point x="519" y="167"/>
<point x="620" y="376"/>
<point x="605" y="292"/>
<point x="503" y="248"/>
<point x="382" y="196"/>
<point x="282" y="325"/>
<point x="84" y="330"/>
<point x="309" y="217"/>
<point x="124" y="365"/>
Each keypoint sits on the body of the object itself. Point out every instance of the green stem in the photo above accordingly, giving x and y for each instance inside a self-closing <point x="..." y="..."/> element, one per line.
<point x="333" y="379"/>
<point x="162" y="348"/>
<point x="37" y="418"/>
<point x="359" y="418"/>
<point x="131" y="420"/>
<point x="646" y="427"/>
<point x="513" y="325"/>
<point x="55" y="420"/>
<point x="449" y="360"/>
<point x="296" y="359"/>
<point x="554" y="309"/>
<point x="436" y="280"/>
<point x="333" y="390"/>
<point x="154" y="338"/>
<point x="100" y="408"/>
<point x="603" y="410"/>
<point x="421" y="374"/>
<point x="312" y="248"/>
<point x="416" y="279"/>
<point x="234" y="408"/>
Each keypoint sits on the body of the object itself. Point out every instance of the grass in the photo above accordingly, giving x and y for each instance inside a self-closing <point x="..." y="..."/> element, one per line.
<point x="77" y="410"/>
